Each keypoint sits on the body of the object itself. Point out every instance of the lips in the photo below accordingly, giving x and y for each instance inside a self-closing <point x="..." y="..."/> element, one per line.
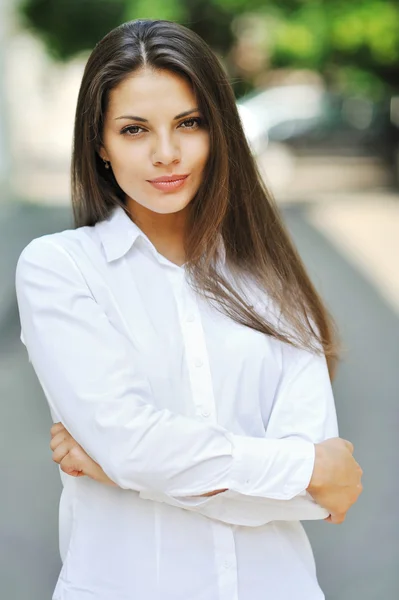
<point x="168" y="178"/>
<point x="169" y="183"/>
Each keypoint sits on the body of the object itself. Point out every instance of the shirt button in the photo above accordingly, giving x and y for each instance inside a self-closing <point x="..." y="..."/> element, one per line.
<point x="227" y="564"/>
<point x="198" y="362"/>
<point x="205" y="413"/>
<point x="190" y="318"/>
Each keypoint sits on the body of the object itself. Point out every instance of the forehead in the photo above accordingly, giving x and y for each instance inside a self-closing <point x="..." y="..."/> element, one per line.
<point x="148" y="92"/>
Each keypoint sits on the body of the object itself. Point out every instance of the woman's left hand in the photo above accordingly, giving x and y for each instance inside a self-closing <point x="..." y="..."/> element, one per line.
<point x="71" y="457"/>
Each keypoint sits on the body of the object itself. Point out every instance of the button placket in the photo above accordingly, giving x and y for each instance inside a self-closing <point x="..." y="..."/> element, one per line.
<point x="226" y="560"/>
<point x="196" y="353"/>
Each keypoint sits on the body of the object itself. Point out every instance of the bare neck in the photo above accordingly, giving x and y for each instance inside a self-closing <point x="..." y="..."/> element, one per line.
<point x="165" y="231"/>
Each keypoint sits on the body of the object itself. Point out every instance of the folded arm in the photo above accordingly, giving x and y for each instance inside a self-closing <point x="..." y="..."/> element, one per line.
<point x="89" y="375"/>
<point x="304" y="398"/>
<point x="303" y="409"/>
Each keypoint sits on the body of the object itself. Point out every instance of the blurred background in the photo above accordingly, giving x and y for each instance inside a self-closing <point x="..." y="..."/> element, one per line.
<point x="317" y="86"/>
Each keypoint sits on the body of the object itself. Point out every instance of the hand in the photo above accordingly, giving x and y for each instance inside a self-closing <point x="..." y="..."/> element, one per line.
<point x="336" y="479"/>
<point x="71" y="457"/>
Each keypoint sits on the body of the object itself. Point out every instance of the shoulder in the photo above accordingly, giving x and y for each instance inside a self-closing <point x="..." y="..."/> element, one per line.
<point x="54" y="252"/>
<point x="53" y="245"/>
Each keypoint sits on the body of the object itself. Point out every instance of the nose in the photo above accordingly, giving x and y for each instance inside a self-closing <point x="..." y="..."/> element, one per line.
<point x="166" y="150"/>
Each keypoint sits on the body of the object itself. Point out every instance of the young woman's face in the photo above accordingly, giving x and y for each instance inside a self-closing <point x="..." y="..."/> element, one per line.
<point x="153" y="130"/>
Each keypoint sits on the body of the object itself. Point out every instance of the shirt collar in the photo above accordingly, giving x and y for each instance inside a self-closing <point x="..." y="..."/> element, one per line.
<point x="118" y="233"/>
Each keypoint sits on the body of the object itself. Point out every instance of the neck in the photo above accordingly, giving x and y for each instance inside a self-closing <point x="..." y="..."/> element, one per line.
<point x="165" y="231"/>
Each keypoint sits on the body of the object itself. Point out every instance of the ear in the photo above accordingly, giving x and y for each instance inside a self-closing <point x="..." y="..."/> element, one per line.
<point x="103" y="154"/>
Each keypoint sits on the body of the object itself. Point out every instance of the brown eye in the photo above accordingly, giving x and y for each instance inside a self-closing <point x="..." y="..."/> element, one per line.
<point x="191" y="123"/>
<point x="132" y="130"/>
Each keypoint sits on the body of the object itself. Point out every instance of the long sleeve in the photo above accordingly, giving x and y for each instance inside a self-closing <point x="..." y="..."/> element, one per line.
<point x="88" y="372"/>
<point x="303" y="409"/>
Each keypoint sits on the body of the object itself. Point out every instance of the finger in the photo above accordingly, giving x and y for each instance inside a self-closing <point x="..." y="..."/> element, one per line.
<point x="328" y="519"/>
<point x="68" y="466"/>
<point x="71" y="464"/>
<point x="358" y="491"/>
<point x="60" y="452"/>
<point x="56" y="428"/>
<point x="58" y="439"/>
<point x="349" y="446"/>
<point x="338" y="518"/>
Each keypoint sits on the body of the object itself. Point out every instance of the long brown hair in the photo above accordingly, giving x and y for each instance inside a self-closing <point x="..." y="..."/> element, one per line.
<point x="232" y="201"/>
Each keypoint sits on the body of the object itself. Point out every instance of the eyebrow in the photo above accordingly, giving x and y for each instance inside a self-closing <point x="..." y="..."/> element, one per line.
<point x="180" y="116"/>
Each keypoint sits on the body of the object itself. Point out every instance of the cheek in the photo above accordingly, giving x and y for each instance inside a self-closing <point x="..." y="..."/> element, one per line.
<point x="126" y="153"/>
<point x="128" y="162"/>
<point x="197" y="151"/>
<point x="128" y="168"/>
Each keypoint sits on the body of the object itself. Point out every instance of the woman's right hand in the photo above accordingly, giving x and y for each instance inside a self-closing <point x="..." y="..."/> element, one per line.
<point x="71" y="457"/>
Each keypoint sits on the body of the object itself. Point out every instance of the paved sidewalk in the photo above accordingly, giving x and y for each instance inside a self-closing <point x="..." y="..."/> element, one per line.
<point x="21" y="222"/>
<point x="11" y="243"/>
<point x="364" y="228"/>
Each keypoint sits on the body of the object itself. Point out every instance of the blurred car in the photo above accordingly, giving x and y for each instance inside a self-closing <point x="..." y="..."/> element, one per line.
<point x="280" y="113"/>
<point x="313" y="121"/>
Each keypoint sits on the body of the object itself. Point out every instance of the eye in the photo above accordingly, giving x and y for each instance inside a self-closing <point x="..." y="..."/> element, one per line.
<point x="192" y="123"/>
<point x="132" y="130"/>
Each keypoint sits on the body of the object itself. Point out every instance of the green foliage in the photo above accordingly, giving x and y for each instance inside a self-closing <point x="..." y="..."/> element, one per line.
<point x="302" y="39"/>
<point x="360" y="81"/>
<point x="171" y="10"/>
<point x="373" y="25"/>
<point x="359" y="38"/>
<point x="71" y="26"/>
<point x="315" y="31"/>
<point x="356" y="42"/>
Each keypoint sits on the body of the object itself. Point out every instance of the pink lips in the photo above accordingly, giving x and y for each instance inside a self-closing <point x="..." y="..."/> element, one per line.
<point x="168" y="182"/>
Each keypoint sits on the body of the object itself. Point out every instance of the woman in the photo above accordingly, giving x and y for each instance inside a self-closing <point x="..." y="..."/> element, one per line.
<point x="182" y="349"/>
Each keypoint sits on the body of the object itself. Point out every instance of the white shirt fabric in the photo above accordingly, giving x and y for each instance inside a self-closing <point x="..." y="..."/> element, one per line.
<point x="173" y="399"/>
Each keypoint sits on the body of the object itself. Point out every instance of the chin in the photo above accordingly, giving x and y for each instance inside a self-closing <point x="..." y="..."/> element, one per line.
<point x="167" y="210"/>
<point x="163" y="205"/>
<point x="168" y="205"/>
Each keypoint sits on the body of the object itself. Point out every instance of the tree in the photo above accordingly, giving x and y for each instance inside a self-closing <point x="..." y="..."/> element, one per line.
<point x="72" y="26"/>
<point x="69" y="27"/>
<point x="354" y="44"/>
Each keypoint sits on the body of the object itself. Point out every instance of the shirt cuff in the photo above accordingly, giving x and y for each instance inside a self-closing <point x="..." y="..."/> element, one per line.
<point x="271" y="468"/>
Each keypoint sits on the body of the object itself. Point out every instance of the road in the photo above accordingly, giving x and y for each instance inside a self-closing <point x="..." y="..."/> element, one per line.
<point x="357" y="560"/>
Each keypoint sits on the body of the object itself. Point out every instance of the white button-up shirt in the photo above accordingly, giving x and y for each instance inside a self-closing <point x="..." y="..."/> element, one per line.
<point x="173" y="399"/>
